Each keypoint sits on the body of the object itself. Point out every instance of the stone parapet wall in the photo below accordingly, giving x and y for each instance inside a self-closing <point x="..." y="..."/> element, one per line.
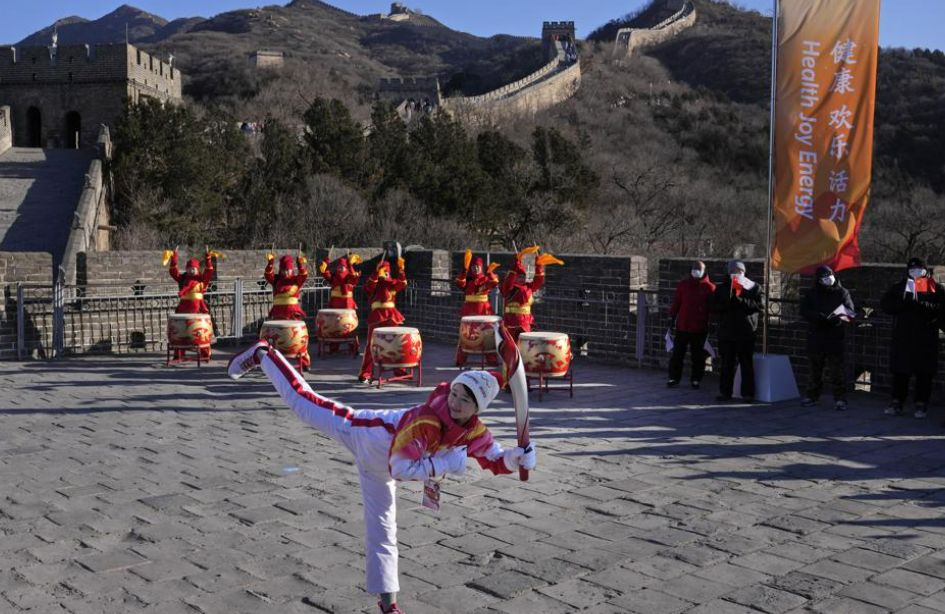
<point x="594" y="299"/>
<point x="89" y="232"/>
<point x="6" y="130"/>
<point x="630" y="39"/>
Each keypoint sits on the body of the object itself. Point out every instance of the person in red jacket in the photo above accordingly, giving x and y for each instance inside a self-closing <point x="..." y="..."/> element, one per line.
<point x="519" y="293"/>
<point x="342" y="281"/>
<point x="421" y="443"/>
<point x="381" y="289"/>
<point x="690" y="312"/>
<point x="191" y="286"/>
<point x="476" y="285"/>
<point x="286" y="289"/>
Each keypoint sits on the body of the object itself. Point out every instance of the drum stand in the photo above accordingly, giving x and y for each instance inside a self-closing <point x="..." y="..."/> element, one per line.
<point x="353" y="341"/>
<point x="544" y="379"/>
<point x="379" y="370"/>
<point x="183" y="350"/>
<point x="482" y="359"/>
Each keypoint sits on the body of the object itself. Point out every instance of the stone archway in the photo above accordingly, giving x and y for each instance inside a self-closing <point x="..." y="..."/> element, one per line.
<point x="73" y="133"/>
<point x="34" y="127"/>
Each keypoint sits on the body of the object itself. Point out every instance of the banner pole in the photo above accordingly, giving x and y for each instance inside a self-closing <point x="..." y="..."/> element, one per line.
<point x="774" y="81"/>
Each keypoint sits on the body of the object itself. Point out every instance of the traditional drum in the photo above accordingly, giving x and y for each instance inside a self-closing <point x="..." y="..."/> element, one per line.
<point x="335" y="323"/>
<point x="186" y="331"/>
<point x="545" y="354"/>
<point x="288" y="336"/>
<point x="477" y="334"/>
<point x="396" y="347"/>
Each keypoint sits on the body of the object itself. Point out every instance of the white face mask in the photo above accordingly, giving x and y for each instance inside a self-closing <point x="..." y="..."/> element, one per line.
<point x="697" y="273"/>
<point x="828" y="281"/>
<point x="917" y="273"/>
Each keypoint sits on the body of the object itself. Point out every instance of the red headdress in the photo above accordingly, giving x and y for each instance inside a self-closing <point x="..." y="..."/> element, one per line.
<point x="286" y="263"/>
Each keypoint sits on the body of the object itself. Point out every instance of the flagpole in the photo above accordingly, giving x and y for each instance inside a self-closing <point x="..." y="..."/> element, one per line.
<point x="774" y="81"/>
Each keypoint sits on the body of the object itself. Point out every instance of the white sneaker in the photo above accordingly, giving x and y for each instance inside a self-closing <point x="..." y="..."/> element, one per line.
<point x="247" y="360"/>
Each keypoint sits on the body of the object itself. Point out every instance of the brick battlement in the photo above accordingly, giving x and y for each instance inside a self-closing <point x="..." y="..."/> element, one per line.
<point x="394" y="83"/>
<point x="59" y="96"/>
<point x="87" y="64"/>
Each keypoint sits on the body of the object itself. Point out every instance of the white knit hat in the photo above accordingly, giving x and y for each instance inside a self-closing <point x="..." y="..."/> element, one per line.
<point x="483" y="385"/>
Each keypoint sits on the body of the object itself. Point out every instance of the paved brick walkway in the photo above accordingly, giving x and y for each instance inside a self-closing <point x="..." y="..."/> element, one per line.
<point x="130" y="487"/>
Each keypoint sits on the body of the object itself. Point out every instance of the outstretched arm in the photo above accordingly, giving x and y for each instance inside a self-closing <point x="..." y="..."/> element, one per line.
<point x="173" y="270"/>
<point x="270" y="272"/>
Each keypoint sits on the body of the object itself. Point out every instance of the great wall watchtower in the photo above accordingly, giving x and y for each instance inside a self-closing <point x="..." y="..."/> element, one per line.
<point x="59" y="95"/>
<point x="553" y="32"/>
<point x="422" y="91"/>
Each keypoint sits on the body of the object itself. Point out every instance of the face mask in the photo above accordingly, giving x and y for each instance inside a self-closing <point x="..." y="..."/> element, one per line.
<point x="828" y="281"/>
<point x="697" y="273"/>
<point x="916" y="273"/>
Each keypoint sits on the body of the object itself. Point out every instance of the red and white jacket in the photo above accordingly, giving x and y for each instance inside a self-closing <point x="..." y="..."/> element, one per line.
<point x="425" y="429"/>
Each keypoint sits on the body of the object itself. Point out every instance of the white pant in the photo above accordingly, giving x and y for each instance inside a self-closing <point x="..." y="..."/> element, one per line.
<point x="367" y="434"/>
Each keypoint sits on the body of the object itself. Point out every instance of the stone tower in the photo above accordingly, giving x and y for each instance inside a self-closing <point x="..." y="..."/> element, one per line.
<point x="552" y="31"/>
<point x="59" y="95"/>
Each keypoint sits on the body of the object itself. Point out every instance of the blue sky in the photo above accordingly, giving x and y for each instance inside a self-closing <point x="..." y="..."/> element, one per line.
<point x="904" y="23"/>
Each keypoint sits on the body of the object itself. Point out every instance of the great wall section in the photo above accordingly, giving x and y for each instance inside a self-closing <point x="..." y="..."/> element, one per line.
<point x="629" y="40"/>
<point x="556" y="81"/>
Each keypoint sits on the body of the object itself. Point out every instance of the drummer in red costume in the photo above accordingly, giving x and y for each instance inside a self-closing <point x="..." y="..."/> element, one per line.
<point x="342" y="281"/>
<point x="519" y="293"/>
<point x="286" y="288"/>
<point x="381" y="289"/>
<point x="476" y="284"/>
<point x="191" y="286"/>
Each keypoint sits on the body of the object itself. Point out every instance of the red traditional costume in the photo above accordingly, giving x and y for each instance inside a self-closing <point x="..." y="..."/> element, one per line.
<point x="191" y="286"/>
<point x="342" y="281"/>
<point x="286" y="288"/>
<point x="476" y="284"/>
<point x="382" y="291"/>
<point x="518" y="295"/>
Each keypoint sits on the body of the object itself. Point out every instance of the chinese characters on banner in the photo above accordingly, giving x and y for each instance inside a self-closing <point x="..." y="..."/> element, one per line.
<point x="823" y="139"/>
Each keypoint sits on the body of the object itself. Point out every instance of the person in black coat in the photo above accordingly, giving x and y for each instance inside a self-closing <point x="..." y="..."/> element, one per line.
<point x="916" y="304"/>
<point x="826" y="321"/>
<point x="736" y="301"/>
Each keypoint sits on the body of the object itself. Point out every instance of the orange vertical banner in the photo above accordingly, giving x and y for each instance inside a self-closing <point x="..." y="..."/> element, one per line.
<point x="823" y="130"/>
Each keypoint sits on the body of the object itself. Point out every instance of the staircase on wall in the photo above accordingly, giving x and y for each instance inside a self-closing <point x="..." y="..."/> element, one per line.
<point x="39" y="192"/>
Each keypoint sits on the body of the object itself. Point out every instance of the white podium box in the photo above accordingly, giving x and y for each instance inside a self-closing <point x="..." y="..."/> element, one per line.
<point x="774" y="379"/>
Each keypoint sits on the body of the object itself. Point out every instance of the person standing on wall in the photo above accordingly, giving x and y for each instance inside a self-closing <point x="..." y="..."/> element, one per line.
<point x="690" y="314"/>
<point x="916" y="304"/>
<point x="736" y="301"/>
<point x="828" y="309"/>
<point x="381" y="289"/>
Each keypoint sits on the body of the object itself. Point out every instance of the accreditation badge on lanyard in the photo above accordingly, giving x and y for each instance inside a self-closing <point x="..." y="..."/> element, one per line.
<point x="431" y="494"/>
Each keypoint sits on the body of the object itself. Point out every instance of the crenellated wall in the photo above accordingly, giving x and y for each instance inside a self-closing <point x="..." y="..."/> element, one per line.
<point x="58" y="92"/>
<point x="630" y="39"/>
<point x="552" y="84"/>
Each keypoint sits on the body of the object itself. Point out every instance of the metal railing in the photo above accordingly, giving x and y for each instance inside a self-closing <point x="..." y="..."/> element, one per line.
<point x="617" y="325"/>
<point x="59" y="320"/>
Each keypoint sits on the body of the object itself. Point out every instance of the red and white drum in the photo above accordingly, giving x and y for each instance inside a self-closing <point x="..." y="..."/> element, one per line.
<point x="396" y="347"/>
<point x="288" y="336"/>
<point x="543" y="353"/>
<point x="189" y="330"/>
<point x="477" y="334"/>
<point x="336" y="323"/>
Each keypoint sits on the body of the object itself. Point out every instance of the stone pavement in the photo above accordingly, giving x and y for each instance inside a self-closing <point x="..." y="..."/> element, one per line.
<point x="131" y="487"/>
